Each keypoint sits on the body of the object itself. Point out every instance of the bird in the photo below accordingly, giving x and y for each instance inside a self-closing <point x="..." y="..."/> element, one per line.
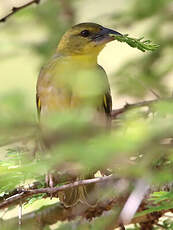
<point x="72" y="79"/>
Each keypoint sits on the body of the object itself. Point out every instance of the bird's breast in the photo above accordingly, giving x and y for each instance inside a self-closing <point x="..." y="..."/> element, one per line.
<point x="71" y="82"/>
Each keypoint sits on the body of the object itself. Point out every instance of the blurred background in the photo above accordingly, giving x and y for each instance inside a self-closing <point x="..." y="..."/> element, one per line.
<point x="29" y="38"/>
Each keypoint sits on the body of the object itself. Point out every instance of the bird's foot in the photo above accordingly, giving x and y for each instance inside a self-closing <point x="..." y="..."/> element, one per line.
<point x="50" y="182"/>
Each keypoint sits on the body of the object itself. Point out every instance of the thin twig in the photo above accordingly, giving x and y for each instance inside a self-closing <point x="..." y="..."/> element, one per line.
<point x="146" y="87"/>
<point x="16" y="9"/>
<point x="20" y="213"/>
<point x="127" y="106"/>
<point x="67" y="11"/>
<point x="25" y="193"/>
<point x="155" y="94"/>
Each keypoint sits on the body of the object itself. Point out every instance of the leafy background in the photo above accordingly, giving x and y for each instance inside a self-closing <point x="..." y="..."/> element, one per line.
<point x="30" y="37"/>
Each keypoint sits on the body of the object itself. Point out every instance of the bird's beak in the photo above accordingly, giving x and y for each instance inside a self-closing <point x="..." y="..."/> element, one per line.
<point x="107" y="31"/>
<point x="104" y="35"/>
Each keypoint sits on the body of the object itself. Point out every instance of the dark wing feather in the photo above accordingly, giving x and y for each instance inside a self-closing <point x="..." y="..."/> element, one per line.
<point x="107" y="103"/>
<point x="107" y="99"/>
<point x="38" y="103"/>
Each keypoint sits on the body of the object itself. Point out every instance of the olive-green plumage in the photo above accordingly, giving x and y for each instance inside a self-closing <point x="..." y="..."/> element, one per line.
<point x="73" y="79"/>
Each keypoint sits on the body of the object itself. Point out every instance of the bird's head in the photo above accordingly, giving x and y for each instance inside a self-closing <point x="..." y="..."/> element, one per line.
<point x="85" y="39"/>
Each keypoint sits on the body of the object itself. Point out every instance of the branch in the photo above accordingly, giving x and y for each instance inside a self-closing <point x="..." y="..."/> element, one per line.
<point x="16" y="9"/>
<point x="57" y="212"/>
<point x="25" y="193"/>
<point x="67" y="11"/>
<point x="50" y="214"/>
<point x="127" y="106"/>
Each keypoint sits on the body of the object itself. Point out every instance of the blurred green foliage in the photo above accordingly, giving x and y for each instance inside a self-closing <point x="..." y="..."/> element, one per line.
<point x="151" y="70"/>
<point x="54" y="16"/>
<point x="144" y="135"/>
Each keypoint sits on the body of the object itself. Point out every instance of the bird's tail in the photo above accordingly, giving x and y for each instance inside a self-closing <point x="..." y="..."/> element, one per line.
<point x="82" y="194"/>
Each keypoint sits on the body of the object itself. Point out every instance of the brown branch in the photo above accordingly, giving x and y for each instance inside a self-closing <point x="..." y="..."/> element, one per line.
<point x="57" y="212"/>
<point x="16" y="9"/>
<point x="127" y="106"/>
<point x="25" y="193"/>
<point x="68" y="11"/>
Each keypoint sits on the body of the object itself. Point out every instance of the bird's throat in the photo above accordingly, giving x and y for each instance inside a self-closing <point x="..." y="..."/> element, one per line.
<point x="85" y="60"/>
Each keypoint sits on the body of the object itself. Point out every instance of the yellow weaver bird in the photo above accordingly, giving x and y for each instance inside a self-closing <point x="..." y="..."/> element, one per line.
<point x="73" y="79"/>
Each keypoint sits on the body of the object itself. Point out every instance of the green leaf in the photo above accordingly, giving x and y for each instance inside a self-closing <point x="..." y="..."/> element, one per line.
<point x="145" y="45"/>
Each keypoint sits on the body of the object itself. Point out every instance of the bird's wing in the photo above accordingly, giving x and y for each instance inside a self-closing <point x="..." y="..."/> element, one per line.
<point x="38" y="104"/>
<point x="52" y="91"/>
<point x="107" y="99"/>
<point x="107" y="103"/>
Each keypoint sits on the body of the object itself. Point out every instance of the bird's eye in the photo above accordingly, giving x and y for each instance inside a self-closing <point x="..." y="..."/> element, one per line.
<point x="85" y="33"/>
